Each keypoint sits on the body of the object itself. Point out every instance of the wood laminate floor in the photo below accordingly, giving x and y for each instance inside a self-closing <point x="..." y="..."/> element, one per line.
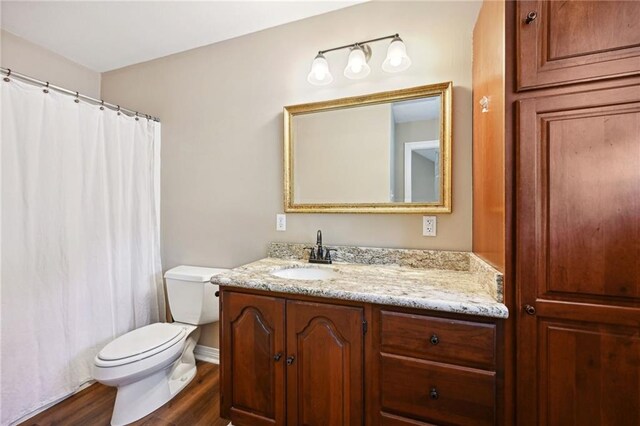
<point x="197" y="404"/>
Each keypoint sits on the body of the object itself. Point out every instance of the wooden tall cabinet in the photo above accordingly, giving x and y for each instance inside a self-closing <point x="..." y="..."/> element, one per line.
<point x="572" y="202"/>
<point x="571" y="165"/>
<point x="291" y="362"/>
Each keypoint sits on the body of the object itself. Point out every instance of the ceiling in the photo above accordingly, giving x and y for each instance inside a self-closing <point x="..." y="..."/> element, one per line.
<point x="106" y="35"/>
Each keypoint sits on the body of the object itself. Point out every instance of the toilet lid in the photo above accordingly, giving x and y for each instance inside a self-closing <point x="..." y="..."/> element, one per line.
<point x="146" y="340"/>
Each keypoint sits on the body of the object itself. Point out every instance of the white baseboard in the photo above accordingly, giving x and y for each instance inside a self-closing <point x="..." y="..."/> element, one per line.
<point x="207" y="354"/>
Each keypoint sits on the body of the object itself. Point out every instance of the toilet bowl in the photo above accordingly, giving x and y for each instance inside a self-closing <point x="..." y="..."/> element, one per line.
<point x="151" y="364"/>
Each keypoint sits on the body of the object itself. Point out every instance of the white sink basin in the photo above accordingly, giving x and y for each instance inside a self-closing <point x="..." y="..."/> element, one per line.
<point x="305" y="273"/>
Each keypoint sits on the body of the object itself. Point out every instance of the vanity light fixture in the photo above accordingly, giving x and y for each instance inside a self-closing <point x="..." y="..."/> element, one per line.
<point x="357" y="67"/>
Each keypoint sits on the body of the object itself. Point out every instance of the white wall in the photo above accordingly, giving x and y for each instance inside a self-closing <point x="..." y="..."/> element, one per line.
<point x="221" y="110"/>
<point x="27" y="58"/>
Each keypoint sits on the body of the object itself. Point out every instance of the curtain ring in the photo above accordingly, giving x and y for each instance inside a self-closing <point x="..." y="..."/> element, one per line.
<point x="7" y="79"/>
<point x="46" y="88"/>
<point x="137" y="119"/>
<point x="118" y="109"/>
<point x="76" y="100"/>
<point x="101" y="105"/>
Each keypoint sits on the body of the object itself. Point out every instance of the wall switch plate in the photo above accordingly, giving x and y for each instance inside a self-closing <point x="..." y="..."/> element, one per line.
<point x="429" y="226"/>
<point x="281" y="222"/>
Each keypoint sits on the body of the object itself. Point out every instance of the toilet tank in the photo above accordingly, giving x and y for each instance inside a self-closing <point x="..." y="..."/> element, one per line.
<point x="192" y="297"/>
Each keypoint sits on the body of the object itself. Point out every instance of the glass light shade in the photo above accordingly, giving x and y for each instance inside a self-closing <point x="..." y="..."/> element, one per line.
<point x="397" y="59"/>
<point x="319" y="74"/>
<point x="357" y="65"/>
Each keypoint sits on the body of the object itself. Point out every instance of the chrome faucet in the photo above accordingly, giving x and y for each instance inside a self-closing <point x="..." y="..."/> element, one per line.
<point x="320" y="254"/>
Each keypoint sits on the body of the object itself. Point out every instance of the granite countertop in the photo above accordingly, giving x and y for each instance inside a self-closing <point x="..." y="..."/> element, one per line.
<point x="448" y="290"/>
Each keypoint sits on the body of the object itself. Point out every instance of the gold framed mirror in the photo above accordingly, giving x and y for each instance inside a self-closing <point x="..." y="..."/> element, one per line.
<point x="387" y="152"/>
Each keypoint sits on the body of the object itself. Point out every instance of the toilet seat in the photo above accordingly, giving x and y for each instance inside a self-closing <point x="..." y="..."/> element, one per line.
<point x="140" y="344"/>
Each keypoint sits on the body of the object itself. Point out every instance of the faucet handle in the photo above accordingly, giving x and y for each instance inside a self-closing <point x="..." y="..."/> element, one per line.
<point x="312" y="252"/>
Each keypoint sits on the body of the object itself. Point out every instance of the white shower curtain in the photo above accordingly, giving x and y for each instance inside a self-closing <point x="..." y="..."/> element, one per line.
<point x="80" y="240"/>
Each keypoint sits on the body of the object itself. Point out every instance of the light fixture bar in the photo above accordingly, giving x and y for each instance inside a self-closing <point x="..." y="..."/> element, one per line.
<point x="359" y="53"/>
<point x="359" y="43"/>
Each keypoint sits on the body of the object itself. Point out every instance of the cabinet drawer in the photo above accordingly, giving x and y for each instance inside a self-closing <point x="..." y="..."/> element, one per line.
<point x="387" y="419"/>
<point x="438" y="339"/>
<point x="436" y="393"/>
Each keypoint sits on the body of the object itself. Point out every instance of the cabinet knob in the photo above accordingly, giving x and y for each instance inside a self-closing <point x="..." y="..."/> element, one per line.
<point x="531" y="16"/>
<point x="277" y="356"/>
<point x="530" y="309"/>
<point x="290" y="359"/>
<point x="217" y="293"/>
<point x="434" y="339"/>
<point x="433" y="393"/>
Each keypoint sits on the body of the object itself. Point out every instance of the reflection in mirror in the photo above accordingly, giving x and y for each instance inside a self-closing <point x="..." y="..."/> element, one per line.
<point x="416" y="151"/>
<point x="387" y="153"/>
<point x="381" y="153"/>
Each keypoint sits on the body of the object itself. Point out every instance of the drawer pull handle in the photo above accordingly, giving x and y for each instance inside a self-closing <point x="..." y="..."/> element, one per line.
<point x="434" y="340"/>
<point x="290" y="359"/>
<point x="277" y="356"/>
<point x="529" y="309"/>
<point x="531" y="16"/>
<point x="433" y="394"/>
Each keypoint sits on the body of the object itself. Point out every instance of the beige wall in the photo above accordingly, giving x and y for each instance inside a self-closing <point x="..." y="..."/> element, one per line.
<point x="221" y="110"/>
<point x="343" y="156"/>
<point x="27" y="58"/>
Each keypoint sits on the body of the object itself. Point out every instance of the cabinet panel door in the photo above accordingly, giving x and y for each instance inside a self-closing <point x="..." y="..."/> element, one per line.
<point x="589" y="374"/>
<point x="572" y="41"/>
<point x="325" y="364"/>
<point x="579" y="196"/>
<point x="578" y="226"/>
<point x="253" y="332"/>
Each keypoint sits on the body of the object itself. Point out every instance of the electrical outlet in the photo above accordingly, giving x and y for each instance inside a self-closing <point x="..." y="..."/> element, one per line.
<point x="281" y="222"/>
<point x="429" y="226"/>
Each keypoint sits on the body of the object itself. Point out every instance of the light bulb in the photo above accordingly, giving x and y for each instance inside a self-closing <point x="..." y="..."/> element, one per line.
<point x="397" y="58"/>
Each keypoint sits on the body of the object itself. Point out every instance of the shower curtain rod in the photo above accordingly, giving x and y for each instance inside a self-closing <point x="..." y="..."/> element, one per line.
<point x="45" y="84"/>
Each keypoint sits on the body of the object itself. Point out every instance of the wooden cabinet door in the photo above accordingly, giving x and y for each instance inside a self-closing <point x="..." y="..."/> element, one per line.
<point x="325" y="364"/>
<point x="253" y="364"/>
<point x="577" y="259"/>
<point x="576" y="40"/>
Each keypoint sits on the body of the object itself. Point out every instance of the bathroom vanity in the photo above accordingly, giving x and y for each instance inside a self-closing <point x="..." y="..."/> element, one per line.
<point x="383" y="337"/>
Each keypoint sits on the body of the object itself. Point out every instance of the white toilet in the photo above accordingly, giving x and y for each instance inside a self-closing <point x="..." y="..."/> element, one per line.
<point x="151" y="364"/>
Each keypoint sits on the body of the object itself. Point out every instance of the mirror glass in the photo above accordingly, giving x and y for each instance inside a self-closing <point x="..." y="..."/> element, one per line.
<point x="367" y="155"/>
